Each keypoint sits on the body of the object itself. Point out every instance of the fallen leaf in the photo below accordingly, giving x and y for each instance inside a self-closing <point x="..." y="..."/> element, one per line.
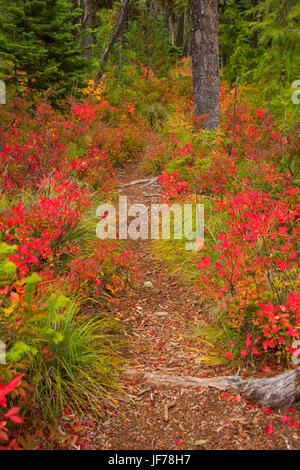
<point x="269" y="429"/>
<point x="148" y="284"/>
<point x="200" y="442"/>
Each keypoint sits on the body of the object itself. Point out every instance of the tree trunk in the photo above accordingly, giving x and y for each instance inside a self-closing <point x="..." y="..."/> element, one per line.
<point x="275" y="392"/>
<point x="172" y="29"/>
<point x="119" y="26"/>
<point x="169" y="23"/>
<point x="180" y="29"/>
<point x="187" y="34"/>
<point x="86" y="23"/>
<point x="149" y="6"/>
<point x="166" y="17"/>
<point x="205" y="58"/>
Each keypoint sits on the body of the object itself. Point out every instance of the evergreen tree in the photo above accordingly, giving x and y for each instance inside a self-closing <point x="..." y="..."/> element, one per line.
<point x="238" y="48"/>
<point x="40" y="43"/>
<point x="147" y="39"/>
<point x="278" y="64"/>
<point x="260" y="43"/>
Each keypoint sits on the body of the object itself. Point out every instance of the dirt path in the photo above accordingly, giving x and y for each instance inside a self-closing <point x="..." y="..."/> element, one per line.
<point x="164" y="417"/>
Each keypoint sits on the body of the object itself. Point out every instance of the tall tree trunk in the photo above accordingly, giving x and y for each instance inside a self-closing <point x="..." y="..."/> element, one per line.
<point x="86" y="23"/>
<point x="149" y="6"/>
<point x="119" y="26"/>
<point x="172" y="28"/>
<point x="180" y="29"/>
<point x="187" y="34"/>
<point x="169" y="22"/>
<point x="205" y="58"/>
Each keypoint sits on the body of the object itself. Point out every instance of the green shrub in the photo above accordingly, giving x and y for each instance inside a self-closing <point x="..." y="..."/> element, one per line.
<point x="71" y="358"/>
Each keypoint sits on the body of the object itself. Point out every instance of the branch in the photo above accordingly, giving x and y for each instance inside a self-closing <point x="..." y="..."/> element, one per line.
<point x="121" y="20"/>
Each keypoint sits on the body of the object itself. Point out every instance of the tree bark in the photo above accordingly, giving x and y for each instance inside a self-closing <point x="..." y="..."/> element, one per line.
<point x="205" y="59"/>
<point x="169" y="22"/>
<point x="180" y="29"/>
<point x="187" y="34"/>
<point x="119" y="26"/>
<point x="86" y="23"/>
<point x="276" y="392"/>
<point x="149" y="6"/>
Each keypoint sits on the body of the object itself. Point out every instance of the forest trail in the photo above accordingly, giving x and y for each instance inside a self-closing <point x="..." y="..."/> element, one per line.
<point x="157" y="321"/>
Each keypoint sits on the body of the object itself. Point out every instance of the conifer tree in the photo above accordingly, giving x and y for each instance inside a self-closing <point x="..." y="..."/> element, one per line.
<point x="40" y="44"/>
<point x="278" y="27"/>
<point x="147" y="39"/>
<point x="236" y="40"/>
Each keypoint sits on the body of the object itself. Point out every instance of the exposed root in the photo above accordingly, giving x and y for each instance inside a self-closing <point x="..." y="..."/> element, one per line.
<point x="276" y="392"/>
<point x="221" y="383"/>
<point x="147" y="182"/>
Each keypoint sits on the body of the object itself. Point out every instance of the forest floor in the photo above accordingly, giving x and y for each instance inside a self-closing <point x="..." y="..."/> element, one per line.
<point x="156" y="323"/>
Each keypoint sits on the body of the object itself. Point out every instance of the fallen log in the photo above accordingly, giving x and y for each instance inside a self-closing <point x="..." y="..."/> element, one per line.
<point x="143" y="180"/>
<point x="275" y="392"/>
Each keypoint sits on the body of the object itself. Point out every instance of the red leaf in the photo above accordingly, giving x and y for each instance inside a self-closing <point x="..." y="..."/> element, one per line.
<point x="269" y="429"/>
<point x="11" y="385"/>
<point x="16" y="419"/>
<point x="2" y="400"/>
<point x="12" y="411"/>
<point x="268" y="410"/>
<point x="3" y="436"/>
<point x="286" y="419"/>
<point x="237" y="398"/>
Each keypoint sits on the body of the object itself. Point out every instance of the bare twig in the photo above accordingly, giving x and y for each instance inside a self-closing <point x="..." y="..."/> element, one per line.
<point x="41" y="187"/>
<point x="166" y="409"/>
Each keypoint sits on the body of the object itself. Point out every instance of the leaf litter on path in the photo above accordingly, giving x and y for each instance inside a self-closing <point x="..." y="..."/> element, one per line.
<point x="155" y="320"/>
